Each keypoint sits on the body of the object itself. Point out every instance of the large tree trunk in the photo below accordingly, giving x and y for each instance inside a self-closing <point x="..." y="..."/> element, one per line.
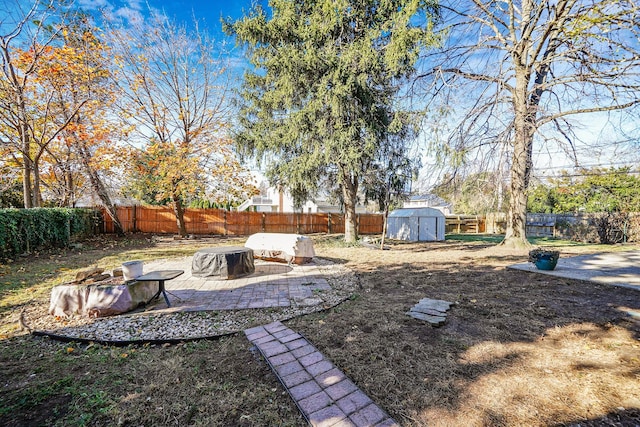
<point x="178" y="210"/>
<point x="516" y="234"/>
<point x="37" y="194"/>
<point x="350" y="196"/>
<point x="27" y="167"/>
<point x="98" y="187"/>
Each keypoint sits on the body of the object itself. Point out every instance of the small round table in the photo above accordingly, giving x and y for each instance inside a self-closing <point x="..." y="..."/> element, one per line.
<point x="228" y="262"/>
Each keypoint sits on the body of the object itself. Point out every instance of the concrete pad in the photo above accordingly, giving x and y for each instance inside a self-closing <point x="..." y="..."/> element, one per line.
<point x="618" y="268"/>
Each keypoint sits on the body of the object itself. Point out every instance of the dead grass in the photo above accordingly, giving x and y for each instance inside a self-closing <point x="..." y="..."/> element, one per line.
<point x="517" y="349"/>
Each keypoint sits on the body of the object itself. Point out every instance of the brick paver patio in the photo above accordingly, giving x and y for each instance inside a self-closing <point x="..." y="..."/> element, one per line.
<point x="272" y="285"/>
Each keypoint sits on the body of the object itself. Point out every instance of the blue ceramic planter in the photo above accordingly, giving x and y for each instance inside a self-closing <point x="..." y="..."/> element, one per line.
<point x="546" y="262"/>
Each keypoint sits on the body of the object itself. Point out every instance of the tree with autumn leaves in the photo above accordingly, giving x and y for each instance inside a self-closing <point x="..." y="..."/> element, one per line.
<point x="61" y="81"/>
<point x="26" y="125"/>
<point x="61" y="124"/>
<point x="86" y="85"/>
<point x="174" y="91"/>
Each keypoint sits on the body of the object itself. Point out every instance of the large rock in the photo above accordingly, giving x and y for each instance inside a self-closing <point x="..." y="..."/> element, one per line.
<point x="85" y="274"/>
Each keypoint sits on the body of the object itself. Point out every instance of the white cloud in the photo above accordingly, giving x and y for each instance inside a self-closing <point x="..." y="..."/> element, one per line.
<point x="134" y="4"/>
<point x="129" y="14"/>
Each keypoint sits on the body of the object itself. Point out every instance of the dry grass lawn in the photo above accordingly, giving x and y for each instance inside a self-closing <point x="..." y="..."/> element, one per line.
<point x="518" y="349"/>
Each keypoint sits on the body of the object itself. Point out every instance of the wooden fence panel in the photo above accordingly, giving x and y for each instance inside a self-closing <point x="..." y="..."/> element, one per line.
<point x="313" y="223"/>
<point x="337" y="223"/>
<point x="147" y="221"/>
<point x="125" y="215"/>
<point x="157" y="219"/>
<point x="215" y="220"/>
<point x="276" y="222"/>
<point x="107" y="223"/>
<point x="243" y="223"/>
<point x="205" y="221"/>
<point x="370" y="223"/>
<point x="161" y="220"/>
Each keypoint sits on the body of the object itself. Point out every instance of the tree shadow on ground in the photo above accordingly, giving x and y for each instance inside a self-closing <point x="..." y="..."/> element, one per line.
<point x="518" y="348"/>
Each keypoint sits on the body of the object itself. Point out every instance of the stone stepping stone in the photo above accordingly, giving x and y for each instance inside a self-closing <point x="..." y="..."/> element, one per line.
<point x="323" y="393"/>
<point x="433" y="311"/>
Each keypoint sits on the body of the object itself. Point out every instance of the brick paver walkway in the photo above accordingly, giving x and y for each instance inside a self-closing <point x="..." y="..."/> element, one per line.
<point x="272" y="285"/>
<point x="322" y="392"/>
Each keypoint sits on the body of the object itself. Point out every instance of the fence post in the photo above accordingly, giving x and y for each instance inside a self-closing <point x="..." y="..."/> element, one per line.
<point x="264" y="220"/>
<point x="224" y="216"/>
<point x="329" y="223"/>
<point x="135" y="219"/>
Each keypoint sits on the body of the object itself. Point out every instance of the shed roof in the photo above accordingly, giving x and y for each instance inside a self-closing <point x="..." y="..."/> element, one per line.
<point x="415" y="212"/>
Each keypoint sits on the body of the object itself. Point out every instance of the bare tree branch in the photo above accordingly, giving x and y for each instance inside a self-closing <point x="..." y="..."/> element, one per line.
<point x="543" y="61"/>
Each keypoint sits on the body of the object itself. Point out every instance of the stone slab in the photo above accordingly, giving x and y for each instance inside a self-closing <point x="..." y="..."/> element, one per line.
<point x="434" y="304"/>
<point x="434" y="320"/>
<point x="426" y="310"/>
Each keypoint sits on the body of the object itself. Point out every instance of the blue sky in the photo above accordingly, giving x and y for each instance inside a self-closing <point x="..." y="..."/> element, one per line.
<point x="592" y="129"/>
<point x="183" y="11"/>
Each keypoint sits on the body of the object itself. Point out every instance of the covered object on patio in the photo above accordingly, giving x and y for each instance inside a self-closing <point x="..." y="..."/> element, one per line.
<point x="416" y="224"/>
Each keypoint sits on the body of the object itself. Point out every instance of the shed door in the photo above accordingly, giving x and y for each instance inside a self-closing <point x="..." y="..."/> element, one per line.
<point x="428" y="229"/>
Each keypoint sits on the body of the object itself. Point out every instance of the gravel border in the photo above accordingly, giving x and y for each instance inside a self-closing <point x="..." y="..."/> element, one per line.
<point x="157" y="327"/>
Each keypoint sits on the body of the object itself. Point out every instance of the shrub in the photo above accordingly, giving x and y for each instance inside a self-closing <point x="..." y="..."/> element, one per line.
<point x="26" y="230"/>
<point x="611" y="227"/>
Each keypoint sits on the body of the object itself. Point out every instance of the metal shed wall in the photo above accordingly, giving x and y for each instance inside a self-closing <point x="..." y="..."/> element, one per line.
<point x="416" y="225"/>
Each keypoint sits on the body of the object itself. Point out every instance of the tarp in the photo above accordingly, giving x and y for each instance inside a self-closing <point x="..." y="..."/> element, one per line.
<point x="228" y="262"/>
<point x="281" y="247"/>
<point x="99" y="300"/>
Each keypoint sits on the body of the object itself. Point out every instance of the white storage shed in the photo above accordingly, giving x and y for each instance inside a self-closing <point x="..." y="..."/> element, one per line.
<point x="416" y="225"/>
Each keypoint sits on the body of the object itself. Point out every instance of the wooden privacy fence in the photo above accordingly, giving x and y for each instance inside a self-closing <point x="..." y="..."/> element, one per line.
<point x="161" y="220"/>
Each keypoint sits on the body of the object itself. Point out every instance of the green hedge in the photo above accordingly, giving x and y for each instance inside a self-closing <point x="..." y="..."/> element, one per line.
<point x="26" y="230"/>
